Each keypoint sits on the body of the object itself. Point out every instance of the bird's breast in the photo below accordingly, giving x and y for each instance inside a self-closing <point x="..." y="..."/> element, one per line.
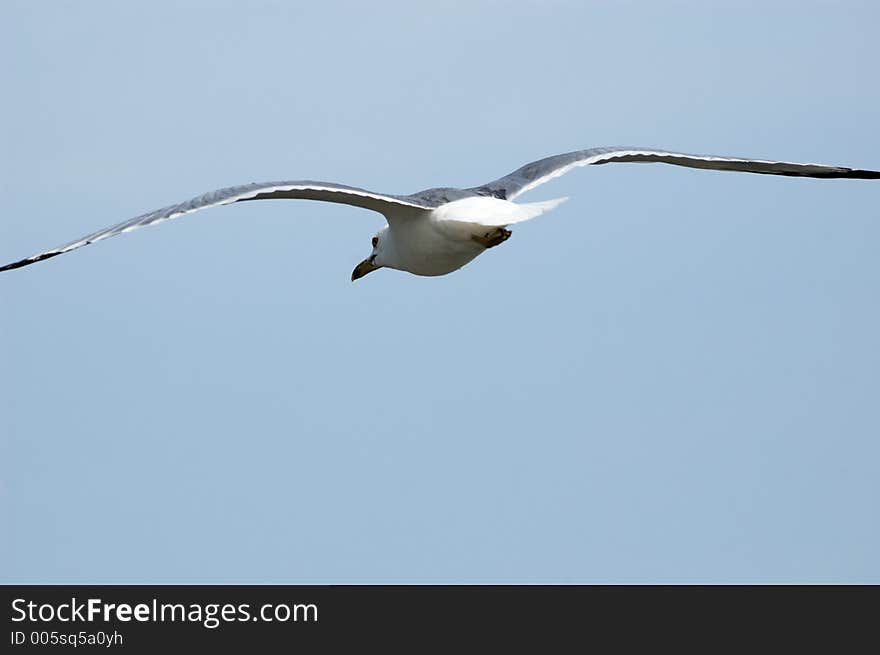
<point x="428" y="247"/>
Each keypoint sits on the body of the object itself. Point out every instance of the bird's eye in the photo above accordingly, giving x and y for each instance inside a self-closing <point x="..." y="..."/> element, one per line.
<point x="375" y="241"/>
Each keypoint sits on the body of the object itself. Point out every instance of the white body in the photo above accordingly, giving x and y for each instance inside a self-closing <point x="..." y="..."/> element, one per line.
<point x="439" y="241"/>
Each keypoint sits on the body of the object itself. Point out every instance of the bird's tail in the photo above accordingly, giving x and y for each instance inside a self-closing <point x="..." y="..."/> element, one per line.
<point x="528" y="210"/>
<point x="493" y="212"/>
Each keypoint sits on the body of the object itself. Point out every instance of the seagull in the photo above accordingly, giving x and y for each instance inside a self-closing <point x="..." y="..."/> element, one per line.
<point x="437" y="231"/>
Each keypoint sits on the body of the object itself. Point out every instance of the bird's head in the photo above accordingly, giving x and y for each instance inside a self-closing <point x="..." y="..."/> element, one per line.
<point x="376" y="259"/>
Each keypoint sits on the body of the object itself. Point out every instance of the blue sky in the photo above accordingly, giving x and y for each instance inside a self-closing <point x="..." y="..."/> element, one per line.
<point x="671" y="378"/>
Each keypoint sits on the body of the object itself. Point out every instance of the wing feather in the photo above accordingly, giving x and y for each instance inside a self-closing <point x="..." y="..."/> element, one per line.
<point x="305" y="189"/>
<point x="538" y="172"/>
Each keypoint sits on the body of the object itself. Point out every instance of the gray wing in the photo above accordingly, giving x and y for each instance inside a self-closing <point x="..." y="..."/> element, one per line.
<point x="304" y="189"/>
<point x="544" y="170"/>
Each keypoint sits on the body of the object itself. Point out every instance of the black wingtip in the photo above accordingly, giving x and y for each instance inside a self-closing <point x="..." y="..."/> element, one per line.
<point x="28" y="261"/>
<point x="842" y="173"/>
<point x="864" y="175"/>
<point x="848" y="173"/>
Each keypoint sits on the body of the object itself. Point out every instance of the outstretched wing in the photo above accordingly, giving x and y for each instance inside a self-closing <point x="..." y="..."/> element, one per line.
<point x="306" y="189"/>
<point x="536" y="173"/>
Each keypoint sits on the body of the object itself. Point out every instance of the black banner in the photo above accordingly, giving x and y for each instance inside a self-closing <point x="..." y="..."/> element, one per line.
<point x="149" y="618"/>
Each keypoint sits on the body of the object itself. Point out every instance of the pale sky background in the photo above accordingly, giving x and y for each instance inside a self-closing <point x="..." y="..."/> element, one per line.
<point x="672" y="378"/>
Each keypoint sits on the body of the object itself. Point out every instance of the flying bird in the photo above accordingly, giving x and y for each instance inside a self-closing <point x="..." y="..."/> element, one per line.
<point x="439" y="230"/>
